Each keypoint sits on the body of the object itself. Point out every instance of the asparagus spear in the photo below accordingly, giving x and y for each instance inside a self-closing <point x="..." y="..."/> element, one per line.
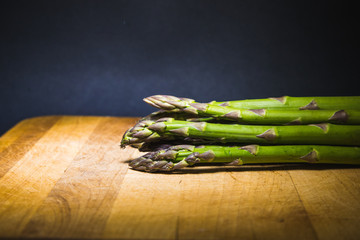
<point x="180" y="156"/>
<point x="296" y="103"/>
<point x="170" y="129"/>
<point x="257" y="116"/>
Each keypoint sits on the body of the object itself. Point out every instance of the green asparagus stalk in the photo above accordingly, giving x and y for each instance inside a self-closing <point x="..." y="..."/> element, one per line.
<point x="181" y="115"/>
<point x="170" y="129"/>
<point x="176" y="157"/>
<point x="257" y="116"/>
<point x="301" y="103"/>
<point x="296" y="103"/>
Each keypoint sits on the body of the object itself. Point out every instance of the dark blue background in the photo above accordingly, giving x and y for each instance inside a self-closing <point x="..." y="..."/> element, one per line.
<point x="103" y="57"/>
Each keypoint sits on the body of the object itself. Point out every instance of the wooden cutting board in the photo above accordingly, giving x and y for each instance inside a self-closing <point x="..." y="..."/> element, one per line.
<point x="66" y="177"/>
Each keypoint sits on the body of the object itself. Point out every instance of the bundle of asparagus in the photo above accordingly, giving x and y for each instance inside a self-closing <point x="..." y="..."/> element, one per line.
<point x="274" y="130"/>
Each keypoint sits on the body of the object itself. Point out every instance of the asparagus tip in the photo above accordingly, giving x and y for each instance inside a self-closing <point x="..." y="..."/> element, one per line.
<point x="168" y="102"/>
<point x="184" y="131"/>
<point x="207" y="156"/>
<point x="183" y="147"/>
<point x="180" y="164"/>
<point x="167" y="154"/>
<point x="157" y="127"/>
<point x="199" y="106"/>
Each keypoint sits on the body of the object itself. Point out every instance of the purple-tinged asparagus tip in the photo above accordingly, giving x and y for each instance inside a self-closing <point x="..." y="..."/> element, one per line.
<point x="141" y="161"/>
<point x="191" y="110"/>
<point x="142" y="134"/>
<point x="207" y="156"/>
<point x="180" y="165"/>
<point x="183" y="147"/>
<point x="199" y="106"/>
<point x="157" y="165"/>
<point x="168" y="102"/>
<point x="168" y="154"/>
<point x="192" y="158"/>
<point x="151" y="102"/>
<point x="157" y="127"/>
<point x="165" y="119"/>
<point x="184" y="131"/>
<point x="155" y="102"/>
<point x="167" y="167"/>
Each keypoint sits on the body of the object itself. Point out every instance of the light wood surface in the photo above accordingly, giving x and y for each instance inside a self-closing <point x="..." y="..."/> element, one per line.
<point x="65" y="177"/>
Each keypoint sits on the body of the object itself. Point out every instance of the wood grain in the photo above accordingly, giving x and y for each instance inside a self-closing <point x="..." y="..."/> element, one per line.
<point x="65" y="177"/>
